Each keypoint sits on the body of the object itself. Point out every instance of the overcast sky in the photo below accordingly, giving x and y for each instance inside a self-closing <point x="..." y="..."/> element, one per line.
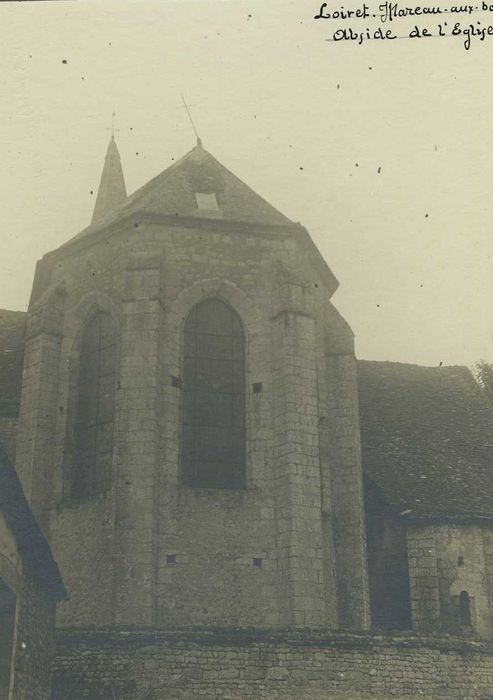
<point x="306" y="123"/>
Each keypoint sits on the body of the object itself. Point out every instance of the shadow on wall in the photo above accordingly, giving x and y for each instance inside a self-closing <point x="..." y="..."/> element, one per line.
<point x="387" y="563"/>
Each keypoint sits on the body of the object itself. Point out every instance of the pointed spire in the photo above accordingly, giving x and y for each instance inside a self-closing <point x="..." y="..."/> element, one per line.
<point x="112" y="190"/>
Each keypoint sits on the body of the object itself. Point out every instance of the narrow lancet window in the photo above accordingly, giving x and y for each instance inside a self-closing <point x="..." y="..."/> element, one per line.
<point x="95" y="408"/>
<point x="465" y="609"/>
<point x="213" y="425"/>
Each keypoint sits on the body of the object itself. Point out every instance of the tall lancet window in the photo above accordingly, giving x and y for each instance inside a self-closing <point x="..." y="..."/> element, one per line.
<point x="95" y="408"/>
<point x="465" y="609"/>
<point x="213" y="428"/>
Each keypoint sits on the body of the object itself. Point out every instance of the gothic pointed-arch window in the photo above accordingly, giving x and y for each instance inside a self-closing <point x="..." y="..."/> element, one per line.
<point x="213" y="420"/>
<point x="93" y="438"/>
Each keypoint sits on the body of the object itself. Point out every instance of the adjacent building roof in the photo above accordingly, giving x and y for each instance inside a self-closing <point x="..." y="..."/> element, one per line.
<point x="12" y="335"/>
<point x="427" y="438"/>
<point x="33" y="547"/>
<point x="196" y="185"/>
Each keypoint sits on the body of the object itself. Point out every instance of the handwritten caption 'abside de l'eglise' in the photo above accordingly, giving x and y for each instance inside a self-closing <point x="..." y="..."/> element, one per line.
<point x="427" y="21"/>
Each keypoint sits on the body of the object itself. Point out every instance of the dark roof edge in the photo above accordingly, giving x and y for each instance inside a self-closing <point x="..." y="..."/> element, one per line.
<point x="33" y="547"/>
<point x="12" y="311"/>
<point x="439" y="368"/>
<point x="448" y="519"/>
<point x="402" y="513"/>
<point x="70" y="639"/>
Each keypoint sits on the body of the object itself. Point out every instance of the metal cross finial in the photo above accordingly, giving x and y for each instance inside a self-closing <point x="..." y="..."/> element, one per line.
<point x="199" y="141"/>
<point x="113" y="127"/>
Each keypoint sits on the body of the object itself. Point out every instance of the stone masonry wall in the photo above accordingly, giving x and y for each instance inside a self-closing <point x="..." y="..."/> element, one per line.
<point x="304" y="665"/>
<point x="33" y="643"/>
<point x="297" y="458"/>
<point x="38" y="411"/>
<point x="113" y="552"/>
<point x="445" y="559"/>
<point x="347" y="493"/>
<point x="423" y="578"/>
<point x="8" y="435"/>
<point x="34" y="625"/>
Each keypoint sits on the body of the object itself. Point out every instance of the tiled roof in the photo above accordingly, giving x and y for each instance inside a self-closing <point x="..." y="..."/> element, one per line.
<point x="173" y="193"/>
<point x="33" y="547"/>
<point x="12" y="335"/>
<point x="427" y="438"/>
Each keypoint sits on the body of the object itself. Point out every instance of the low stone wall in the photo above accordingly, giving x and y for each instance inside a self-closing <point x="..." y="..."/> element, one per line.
<point x="282" y="665"/>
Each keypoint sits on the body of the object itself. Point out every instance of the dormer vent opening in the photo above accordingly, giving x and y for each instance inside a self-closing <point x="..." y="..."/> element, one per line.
<point x="206" y="201"/>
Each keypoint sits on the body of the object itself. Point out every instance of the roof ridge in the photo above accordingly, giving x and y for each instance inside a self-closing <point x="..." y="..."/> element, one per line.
<point x="166" y="172"/>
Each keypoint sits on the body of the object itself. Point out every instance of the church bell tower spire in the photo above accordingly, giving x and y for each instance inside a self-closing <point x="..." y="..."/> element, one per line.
<point x="112" y="190"/>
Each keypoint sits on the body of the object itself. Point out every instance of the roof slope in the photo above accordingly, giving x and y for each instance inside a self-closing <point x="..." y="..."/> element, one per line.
<point x="12" y="336"/>
<point x="172" y="193"/>
<point x="427" y="438"/>
<point x="33" y="547"/>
